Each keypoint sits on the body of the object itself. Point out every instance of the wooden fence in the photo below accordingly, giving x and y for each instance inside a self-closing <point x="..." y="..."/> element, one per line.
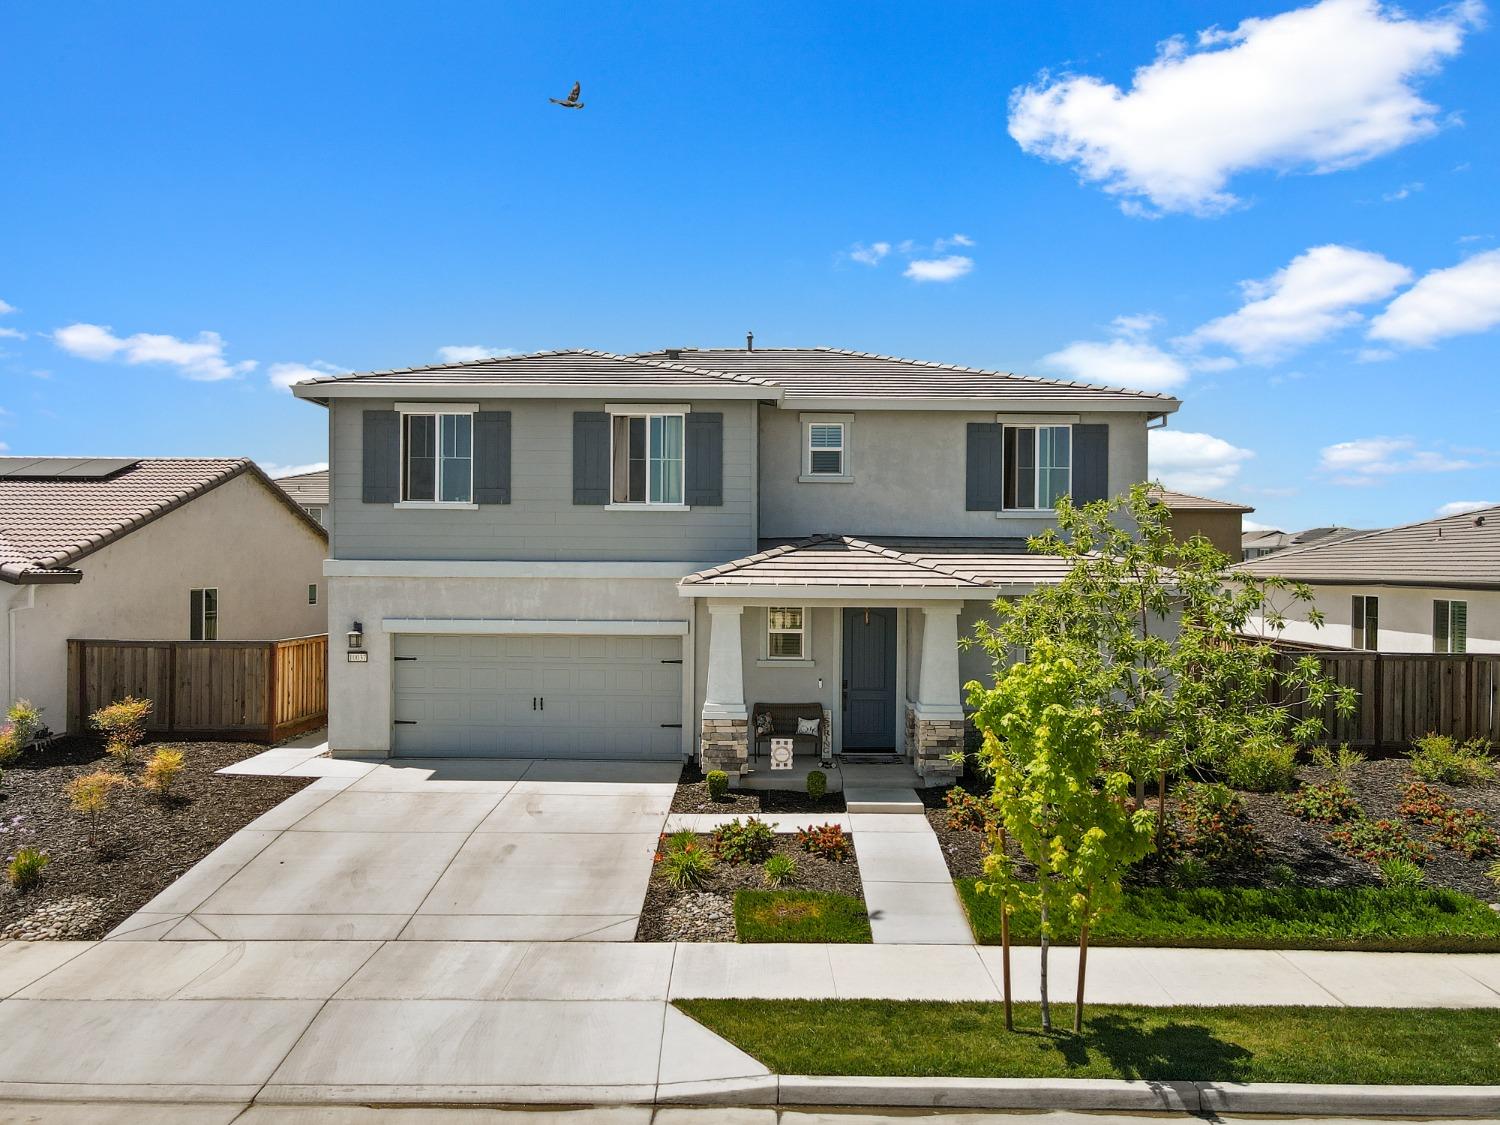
<point x="1403" y="695"/>
<point x="261" y="691"/>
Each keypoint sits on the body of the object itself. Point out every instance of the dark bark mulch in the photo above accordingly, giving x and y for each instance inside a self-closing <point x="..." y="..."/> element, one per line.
<point x="144" y="842"/>
<point x="692" y="797"/>
<point x="814" y="873"/>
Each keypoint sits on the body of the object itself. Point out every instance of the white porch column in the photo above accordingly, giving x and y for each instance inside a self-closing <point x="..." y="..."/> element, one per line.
<point x="724" y="691"/>
<point x="938" y="689"/>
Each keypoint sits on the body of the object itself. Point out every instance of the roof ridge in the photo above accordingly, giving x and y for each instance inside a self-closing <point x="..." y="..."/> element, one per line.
<point x="597" y="353"/>
<point x="992" y="371"/>
<point x="902" y="556"/>
<point x="760" y="556"/>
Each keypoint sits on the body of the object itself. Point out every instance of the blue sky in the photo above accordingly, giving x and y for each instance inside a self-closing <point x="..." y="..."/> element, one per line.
<point x="1290" y="223"/>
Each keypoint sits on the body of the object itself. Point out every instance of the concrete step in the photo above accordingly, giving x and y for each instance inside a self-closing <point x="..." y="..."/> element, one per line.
<point x="874" y="799"/>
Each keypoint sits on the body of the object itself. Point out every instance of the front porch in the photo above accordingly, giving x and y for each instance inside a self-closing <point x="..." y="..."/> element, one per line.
<point x="842" y="774"/>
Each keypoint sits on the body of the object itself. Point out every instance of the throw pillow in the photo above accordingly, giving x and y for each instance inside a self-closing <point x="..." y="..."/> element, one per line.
<point x="763" y="723"/>
<point x="809" y="726"/>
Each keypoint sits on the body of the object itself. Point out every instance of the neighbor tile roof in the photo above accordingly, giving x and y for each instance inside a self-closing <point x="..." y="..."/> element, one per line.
<point x="897" y="562"/>
<point x="1462" y="550"/>
<point x="1186" y="501"/>
<point x="306" y="488"/>
<point x="46" y="525"/>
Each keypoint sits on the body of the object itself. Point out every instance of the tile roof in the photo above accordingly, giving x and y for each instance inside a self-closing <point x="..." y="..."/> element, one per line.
<point x="46" y="525"/>
<point x="306" y="488"/>
<point x="1461" y="550"/>
<point x="885" y="561"/>
<point x="1186" y="501"/>
<point x="572" y="366"/>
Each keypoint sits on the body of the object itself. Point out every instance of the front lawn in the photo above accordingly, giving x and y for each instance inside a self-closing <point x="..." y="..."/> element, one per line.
<point x="1324" y="1045"/>
<point x="1425" y="919"/>
<point x="799" y="916"/>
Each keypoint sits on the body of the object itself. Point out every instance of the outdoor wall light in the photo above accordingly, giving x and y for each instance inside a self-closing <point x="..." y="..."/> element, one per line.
<point x="357" y="636"/>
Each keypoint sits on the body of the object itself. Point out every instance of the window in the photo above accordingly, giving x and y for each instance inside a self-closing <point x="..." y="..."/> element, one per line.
<point x="1038" y="466"/>
<point x="312" y="593"/>
<point x="1364" y="619"/>
<point x="203" y="614"/>
<point x="1450" y="626"/>
<point x="825" y="449"/>
<point x="437" y="463"/>
<point x="786" y="633"/>
<point x="646" y="461"/>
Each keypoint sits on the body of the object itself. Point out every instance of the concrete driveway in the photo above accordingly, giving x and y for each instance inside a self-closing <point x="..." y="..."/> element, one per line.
<point x="428" y="850"/>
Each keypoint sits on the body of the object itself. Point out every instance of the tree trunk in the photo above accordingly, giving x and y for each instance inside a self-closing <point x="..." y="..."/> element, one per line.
<point x="1083" y="961"/>
<point x="1161" y="803"/>
<point x="1140" y="792"/>
<point x="1010" y="1022"/>
<point x="1046" y="1007"/>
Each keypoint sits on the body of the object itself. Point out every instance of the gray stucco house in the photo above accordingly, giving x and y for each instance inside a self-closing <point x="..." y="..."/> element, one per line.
<point x="587" y="555"/>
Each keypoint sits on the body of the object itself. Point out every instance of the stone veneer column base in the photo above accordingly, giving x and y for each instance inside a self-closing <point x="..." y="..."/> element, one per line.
<point x="725" y="745"/>
<point x="928" y="744"/>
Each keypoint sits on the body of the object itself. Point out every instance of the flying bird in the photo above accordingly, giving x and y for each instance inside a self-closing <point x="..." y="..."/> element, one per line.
<point x="571" y="102"/>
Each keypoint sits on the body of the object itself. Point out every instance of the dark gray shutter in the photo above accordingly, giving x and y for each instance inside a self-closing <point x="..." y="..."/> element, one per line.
<point x="195" y="615"/>
<point x="982" y="469"/>
<point x="703" y="448"/>
<point x="492" y="457"/>
<point x="382" y="457"/>
<point x="590" y="457"/>
<point x="1090" y="463"/>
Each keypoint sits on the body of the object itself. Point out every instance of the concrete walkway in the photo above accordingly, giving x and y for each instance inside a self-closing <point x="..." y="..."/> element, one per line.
<point x="908" y="889"/>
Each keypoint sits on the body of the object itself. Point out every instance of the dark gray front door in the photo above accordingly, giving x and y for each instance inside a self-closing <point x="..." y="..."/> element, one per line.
<point x="869" y="679"/>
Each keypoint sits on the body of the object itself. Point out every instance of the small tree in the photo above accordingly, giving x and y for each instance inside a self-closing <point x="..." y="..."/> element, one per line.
<point x="22" y="721"/>
<point x="90" y="796"/>
<point x="1044" y="743"/>
<point x="123" y="725"/>
<point x="161" y="772"/>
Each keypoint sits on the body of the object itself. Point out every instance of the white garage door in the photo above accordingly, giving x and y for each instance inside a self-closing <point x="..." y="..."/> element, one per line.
<point x="538" y="697"/>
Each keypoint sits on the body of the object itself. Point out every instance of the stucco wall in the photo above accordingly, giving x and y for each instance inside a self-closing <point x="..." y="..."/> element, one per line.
<point x="239" y="538"/>
<point x="908" y="470"/>
<point x="541" y="521"/>
<point x="1220" y="527"/>
<point x="359" y="695"/>
<point x="1405" y="617"/>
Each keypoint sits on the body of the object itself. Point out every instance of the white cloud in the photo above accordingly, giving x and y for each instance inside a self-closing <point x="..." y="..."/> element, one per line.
<point x="1136" y="325"/>
<point x="1365" y="460"/>
<point x="1312" y="297"/>
<point x="1448" y="302"/>
<point x="951" y="268"/>
<point x="1121" y="362"/>
<point x="870" y="255"/>
<point x="941" y="244"/>
<point x="1320" y="88"/>
<point x="1193" y="462"/>
<point x="6" y="308"/>
<point x="1459" y="507"/>
<point x="1256" y="525"/>
<point x="201" y="359"/>
<point x="468" y="353"/>
<point x="1405" y="191"/>
<point x="283" y="375"/>
<point x="12" y="334"/>
<point x="275" y="471"/>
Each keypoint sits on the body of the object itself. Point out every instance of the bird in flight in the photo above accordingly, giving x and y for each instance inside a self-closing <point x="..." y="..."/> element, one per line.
<point x="571" y="102"/>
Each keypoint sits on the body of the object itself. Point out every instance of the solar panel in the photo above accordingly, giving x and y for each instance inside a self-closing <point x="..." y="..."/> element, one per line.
<point x="63" y="468"/>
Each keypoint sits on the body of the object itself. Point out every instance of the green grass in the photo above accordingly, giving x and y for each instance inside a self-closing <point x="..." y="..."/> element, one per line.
<point x="888" y="1037"/>
<point x="1428" y="920"/>
<point x="792" y="916"/>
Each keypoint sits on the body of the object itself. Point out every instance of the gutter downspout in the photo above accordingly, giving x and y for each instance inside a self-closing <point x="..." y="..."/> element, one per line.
<point x="26" y="595"/>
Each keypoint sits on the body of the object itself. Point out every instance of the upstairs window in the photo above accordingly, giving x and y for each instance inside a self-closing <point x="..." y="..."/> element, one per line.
<point x="1364" y="619"/>
<point x="786" y="633"/>
<point x="1450" y="626"/>
<point x="437" y="458"/>
<point x="1038" y="466"/>
<point x="825" y="449"/>
<point x="316" y="512"/>
<point x="203" y="614"/>
<point x="646" y="459"/>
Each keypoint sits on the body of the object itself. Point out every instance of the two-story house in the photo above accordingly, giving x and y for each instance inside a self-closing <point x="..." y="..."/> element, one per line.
<point x="585" y="555"/>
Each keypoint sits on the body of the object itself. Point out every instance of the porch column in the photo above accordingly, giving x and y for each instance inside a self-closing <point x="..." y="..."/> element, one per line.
<point x="724" y="737"/>
<point x="935" y="721"/>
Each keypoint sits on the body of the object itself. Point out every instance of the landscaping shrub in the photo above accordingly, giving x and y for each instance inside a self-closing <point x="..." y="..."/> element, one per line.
<point x="1339" y="764"/>
<point x="1438" y="757"/>
<point x="747" y="841"/>
<point x="22" y="721"/>
<point x="1493" y="874"/>
<point x="10" y="744"/>
<point x="160" y="775"/>
<point x="1376" y="841"/>
<point x="780" y="870"/>
<point x="91" y="794"/>
<point x="817" y="784"/>
<point x="1465" y="830"/>
<point x="1399" y="875"/>
<point x="123" y="725"/>
<point x="1262" y="767"/>
<point x="684" y="862"/>
<point x="966" y="811"/>
<point x="1218" y="829"/>
<point x="718" y="785"/>
<point x="1332" y="802"/>
<point x="1189" y="871"/>
<point x="827" y="840"/>
<point x="25" y="868"/>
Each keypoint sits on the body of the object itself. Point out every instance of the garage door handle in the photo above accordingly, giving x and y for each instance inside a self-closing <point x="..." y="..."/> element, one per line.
<point x="672" y="661"/>
<point x="406" y="658"/>
<point x="406" y="722"/>
<point x="674" y="726"/>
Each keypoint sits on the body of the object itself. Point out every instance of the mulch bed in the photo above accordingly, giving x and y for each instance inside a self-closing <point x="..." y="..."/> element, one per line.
<point x="144" y="843"/>
<point x="1289" y="842"/>
<point x="692" y="797"/>
<point x="707" y="914"/>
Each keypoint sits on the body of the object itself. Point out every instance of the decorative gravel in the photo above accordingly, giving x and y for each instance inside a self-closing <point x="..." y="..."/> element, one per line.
<point x="692" y="797"/>
<point x="698" y="917"/>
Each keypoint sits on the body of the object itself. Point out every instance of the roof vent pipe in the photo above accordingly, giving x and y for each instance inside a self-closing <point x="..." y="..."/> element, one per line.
<point x="749" y="341"/>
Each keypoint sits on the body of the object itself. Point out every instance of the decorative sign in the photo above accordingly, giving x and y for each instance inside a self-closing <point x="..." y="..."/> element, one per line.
<point x="781" y="753"/>
<point x="359" y="658"/>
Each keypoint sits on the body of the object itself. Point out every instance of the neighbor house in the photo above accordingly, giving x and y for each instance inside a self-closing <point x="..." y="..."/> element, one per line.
<point x="114" y="548"/>
<point x="588" y="555"/>
<point x="1218" y="521"/>
<point x="1269" y="540"/>
<point x="309" y="491"/>
<point x="1425" y="587"/>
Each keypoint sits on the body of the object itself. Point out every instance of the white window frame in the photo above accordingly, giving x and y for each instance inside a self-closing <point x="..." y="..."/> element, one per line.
<point x="803" y="633"/>
<point x="1036" y="482"/>
<point x="1447" y="611"/>
<point x="312" y="593"/>
<point x="316" y="512"/>
<point x="1360" y="633"/>
<point x="647" y="411"/>
<point x="845" y="423"/>
<point x="200" y="626"/>
<point x="436" y="410"/>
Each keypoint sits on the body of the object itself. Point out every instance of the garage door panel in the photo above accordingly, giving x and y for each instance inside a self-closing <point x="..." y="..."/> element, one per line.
<point x="604" y="697"/>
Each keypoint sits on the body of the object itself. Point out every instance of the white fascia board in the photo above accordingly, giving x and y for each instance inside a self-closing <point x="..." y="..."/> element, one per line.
<point x="547" y="627"/>
<point x="854" y="595"/>
<point x="985" y="404"/>
<point x="435" y="392"/>
<point x="437" y="568"/>
<point x="635" y="408"/>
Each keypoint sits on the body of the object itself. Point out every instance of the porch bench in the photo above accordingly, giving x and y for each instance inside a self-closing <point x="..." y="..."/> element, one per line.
<point x="784" y="718"/>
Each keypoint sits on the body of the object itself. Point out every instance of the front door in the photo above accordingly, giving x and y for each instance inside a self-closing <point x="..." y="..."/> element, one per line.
<point x="869" y="679"/>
